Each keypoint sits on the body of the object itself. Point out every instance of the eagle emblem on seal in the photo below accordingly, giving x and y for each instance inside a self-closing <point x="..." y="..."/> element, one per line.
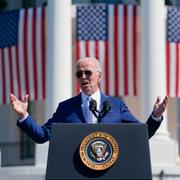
<point x="99" y="151"/>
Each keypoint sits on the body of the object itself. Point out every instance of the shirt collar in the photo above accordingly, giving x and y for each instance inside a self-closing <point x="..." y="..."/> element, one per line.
<point x="96" y="96"/>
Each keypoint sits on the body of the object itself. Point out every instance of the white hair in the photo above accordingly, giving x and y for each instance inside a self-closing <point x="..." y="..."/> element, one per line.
<point x="98" y="64"/>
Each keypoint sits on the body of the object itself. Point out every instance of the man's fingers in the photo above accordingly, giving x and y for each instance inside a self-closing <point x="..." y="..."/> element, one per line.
<point x="13" y="97"/>
<point x="165" y="101"/>
<point x="26" y="98"/>
<point x="158" y="100"/>
<point x="163" y="105"/>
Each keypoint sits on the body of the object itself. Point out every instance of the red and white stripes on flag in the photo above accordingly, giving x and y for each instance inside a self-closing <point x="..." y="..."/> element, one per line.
<point x="173" y="69"/>
<point x="109" y="33"/>
<point x="22" y="56"/>
<point x="173" y="51"/>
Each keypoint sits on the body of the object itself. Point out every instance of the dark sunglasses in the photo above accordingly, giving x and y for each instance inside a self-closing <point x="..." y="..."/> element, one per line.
<point x="87" y="73"/>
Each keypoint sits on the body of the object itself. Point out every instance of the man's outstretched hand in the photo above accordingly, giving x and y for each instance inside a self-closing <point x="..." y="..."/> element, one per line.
<point x="160" y="107"/>
<point x="20" y="107"/>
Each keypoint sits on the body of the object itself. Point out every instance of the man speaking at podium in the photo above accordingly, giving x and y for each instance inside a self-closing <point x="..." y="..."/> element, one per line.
<point x="90" y="106"/>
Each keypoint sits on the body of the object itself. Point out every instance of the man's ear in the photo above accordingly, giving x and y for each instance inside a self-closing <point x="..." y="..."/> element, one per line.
<point x="100" y="76"/>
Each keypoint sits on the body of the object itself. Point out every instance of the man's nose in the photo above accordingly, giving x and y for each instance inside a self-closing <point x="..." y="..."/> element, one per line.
<point x="83" y="75"/>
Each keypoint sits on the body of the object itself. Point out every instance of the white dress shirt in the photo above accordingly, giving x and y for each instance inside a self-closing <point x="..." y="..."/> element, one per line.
<point x="97" y="97"/>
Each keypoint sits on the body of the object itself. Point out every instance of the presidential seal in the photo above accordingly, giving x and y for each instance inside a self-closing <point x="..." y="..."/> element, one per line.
<point x="99" y="151"/>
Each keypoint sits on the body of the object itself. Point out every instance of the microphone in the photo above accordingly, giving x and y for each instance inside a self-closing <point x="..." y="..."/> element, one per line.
<point x="106" y="106"/>
<point x="93" y="107"/>
<point x="106" y="109"/>
<point x="97" y="114"/>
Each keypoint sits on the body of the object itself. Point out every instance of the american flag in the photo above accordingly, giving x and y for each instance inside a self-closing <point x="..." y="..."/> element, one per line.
<point x="173" y="51"/>
<point x="109" y="33"/>
<point x="22" y="53"/>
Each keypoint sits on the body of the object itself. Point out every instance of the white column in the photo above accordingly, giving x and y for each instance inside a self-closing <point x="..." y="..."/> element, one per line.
<point x="59" y="54"/>
<point x="153" y="67"/>
<point x="153" y="78"/>
<point x="0" y="158"/>
<point x="59" y="63"/>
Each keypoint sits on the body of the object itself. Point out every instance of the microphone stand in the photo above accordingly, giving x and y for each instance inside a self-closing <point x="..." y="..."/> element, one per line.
<point x="106" y="109"/>
<point x="93" y="108"/>
<point x="97" y="114"/>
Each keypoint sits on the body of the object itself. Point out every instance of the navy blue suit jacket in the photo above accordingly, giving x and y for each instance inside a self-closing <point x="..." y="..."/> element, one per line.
<point x="70" y="111"/>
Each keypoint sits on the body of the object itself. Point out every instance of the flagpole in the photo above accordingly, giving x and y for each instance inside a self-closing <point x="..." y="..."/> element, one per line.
<point x="59" y="63"/>
<point x="153" y="77"/>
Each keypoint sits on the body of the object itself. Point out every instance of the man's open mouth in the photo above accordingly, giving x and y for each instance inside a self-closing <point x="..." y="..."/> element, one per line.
<point x="84" y="83"/>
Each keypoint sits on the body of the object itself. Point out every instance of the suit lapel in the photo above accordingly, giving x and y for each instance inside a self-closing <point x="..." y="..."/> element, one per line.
<point x="78" y="109"/>
<point x="103" y="98"/>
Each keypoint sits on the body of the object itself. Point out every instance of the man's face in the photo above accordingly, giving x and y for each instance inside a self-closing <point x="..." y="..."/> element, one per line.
<point x="88" y="76"/>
